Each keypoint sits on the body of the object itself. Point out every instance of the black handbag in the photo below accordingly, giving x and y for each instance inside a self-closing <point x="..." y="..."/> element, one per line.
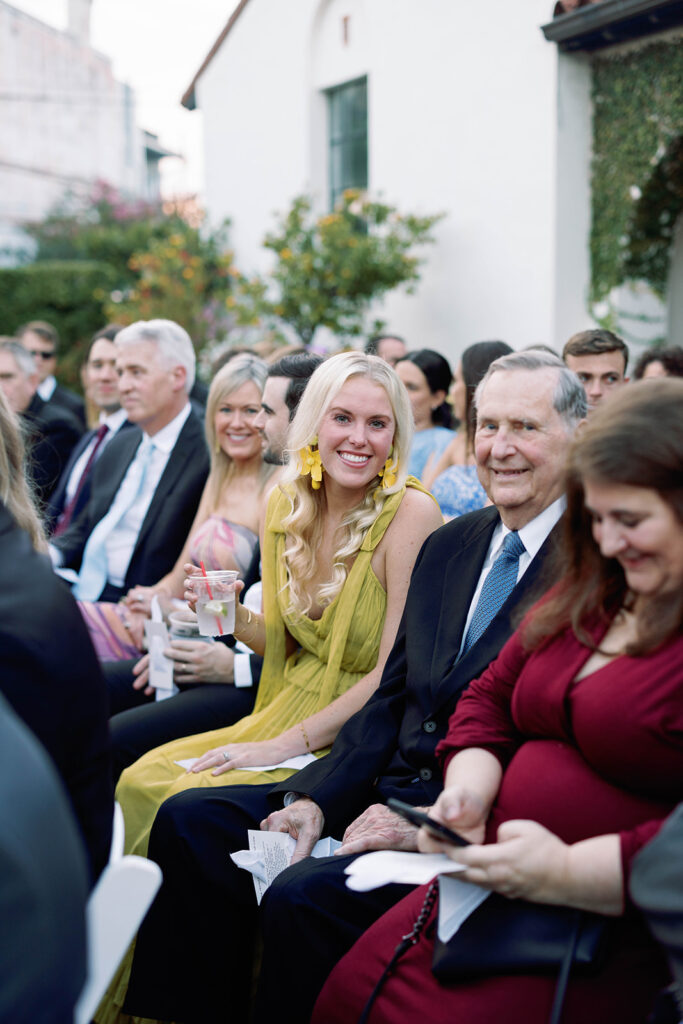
<point x="504" y="936"/>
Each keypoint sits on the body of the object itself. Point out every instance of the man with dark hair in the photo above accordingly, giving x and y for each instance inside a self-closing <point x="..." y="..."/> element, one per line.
<point x="285" y="384"/>
<point x="388" y="347"/>
<point x="101" y="381"/>
<point x="599" y="359"/>
<point x="41" y="339"/>
<point x="50" y="430"/>
<point x="452" y="628"/>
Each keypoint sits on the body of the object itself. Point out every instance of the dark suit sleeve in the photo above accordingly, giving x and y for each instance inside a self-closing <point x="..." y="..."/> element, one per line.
<point x="51" y="677"/>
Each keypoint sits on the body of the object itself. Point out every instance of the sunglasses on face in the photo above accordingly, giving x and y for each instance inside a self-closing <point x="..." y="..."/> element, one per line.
<point x="42" y="355"/>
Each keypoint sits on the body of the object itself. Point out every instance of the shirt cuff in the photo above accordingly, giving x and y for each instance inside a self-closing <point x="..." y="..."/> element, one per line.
<point x="242" y="670"/>
<point x="56" y="556"/>
<point x="292" y="796"/>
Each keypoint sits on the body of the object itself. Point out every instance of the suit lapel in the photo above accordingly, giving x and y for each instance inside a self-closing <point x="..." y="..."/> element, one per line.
<point x="183" y="449"/>
<point x="459" y="583"/>
<point x="535" y="581"/>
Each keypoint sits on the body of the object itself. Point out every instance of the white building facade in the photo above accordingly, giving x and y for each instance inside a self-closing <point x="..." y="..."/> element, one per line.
<point x="65" y="121"/>
<point x="461" y="118"/>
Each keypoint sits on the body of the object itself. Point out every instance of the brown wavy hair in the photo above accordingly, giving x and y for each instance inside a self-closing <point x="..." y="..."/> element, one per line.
<point x="636" y="439"/>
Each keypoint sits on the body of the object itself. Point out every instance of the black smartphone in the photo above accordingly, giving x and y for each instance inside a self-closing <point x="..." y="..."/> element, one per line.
<point x="419" y="818"/>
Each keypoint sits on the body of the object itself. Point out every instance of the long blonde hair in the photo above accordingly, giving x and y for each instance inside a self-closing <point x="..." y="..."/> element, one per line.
<point x="15" y="490"/>
<point x="304" y="524"/>
<point x="238" y="371"/>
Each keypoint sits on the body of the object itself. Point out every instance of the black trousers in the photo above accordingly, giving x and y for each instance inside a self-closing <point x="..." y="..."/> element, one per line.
<point x="194" y="954"/>
<point x="148" y="723"/>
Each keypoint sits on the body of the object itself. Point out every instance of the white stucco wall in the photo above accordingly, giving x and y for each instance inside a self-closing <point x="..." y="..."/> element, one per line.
<point x="462" y="119"/>
<point x="255" y="97"/>
<point x="573" y="197"/>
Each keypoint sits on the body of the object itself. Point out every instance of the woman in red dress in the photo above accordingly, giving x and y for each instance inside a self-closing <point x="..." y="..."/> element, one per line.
<point x="564" y="758"/>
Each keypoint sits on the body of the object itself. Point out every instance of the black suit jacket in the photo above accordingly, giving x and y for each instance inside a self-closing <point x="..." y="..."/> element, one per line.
<point x="170" y="515"/>
<point x="50" y="675"/>
<point x="388" y="747"/>
<point x="51" y="433"/>
<point x="69" y="400"/>
<point x="58" y="500"/>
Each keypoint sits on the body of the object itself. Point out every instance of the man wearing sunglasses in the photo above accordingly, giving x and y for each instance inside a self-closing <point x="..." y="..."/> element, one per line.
<point x="50" y="430"/>
<point x="41" y="339"/>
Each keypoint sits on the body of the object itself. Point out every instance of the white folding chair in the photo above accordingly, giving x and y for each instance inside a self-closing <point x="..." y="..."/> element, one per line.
<point x="115" y="909"/>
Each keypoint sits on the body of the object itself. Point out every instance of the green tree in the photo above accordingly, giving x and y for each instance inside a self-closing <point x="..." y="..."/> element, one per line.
<point x="186" y="277"/>
<point x="160" y="260"/>
<point x="328" y="270"/>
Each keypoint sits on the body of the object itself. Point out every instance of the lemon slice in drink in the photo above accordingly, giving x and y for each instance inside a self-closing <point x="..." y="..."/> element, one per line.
<point x="215" y="608"/>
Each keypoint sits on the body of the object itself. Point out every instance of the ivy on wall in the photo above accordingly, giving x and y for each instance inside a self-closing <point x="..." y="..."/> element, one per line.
<point x="637" y="187"/>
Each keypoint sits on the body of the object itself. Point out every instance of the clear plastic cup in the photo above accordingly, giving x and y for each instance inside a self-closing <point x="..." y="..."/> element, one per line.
<point x="215" y="601"/>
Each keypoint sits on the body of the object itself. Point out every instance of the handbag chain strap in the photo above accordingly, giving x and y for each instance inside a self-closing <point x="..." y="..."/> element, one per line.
<point x="406" y="942"/>
<point x="413" y="936"/>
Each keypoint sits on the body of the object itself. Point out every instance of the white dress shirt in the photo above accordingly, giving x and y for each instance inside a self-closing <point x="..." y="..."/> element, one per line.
<point x="46" y="387"/>
<point x="122" y="540"/>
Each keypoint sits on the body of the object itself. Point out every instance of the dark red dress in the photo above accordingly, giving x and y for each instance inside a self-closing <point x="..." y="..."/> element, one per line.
<point x="586" y="758"/>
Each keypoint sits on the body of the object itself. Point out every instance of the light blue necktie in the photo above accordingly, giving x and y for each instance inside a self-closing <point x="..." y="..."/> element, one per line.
<point x="93" y="575"/>
<point x="498" y="586"/>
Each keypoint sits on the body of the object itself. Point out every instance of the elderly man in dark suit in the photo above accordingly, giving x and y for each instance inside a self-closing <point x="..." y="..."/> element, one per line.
<point x="148" y="482"/>
<point x="50" y="431"/>
<point x="468" y="585"/>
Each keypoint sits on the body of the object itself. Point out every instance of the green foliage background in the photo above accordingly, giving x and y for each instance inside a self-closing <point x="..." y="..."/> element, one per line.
<point x="637" y="165"/>
<point x="68" y="294"/>
<point x="329" y="269"/>
<point x="104" y="258"/>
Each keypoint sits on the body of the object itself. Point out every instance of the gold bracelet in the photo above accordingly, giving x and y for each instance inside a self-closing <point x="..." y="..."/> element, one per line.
<point x="245" y="640"/>
<point x="308" y="745"/>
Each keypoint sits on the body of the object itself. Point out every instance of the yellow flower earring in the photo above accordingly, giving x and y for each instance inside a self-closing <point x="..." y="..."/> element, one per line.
<point x="388" y="474"/>
<point x="309" y="458"/>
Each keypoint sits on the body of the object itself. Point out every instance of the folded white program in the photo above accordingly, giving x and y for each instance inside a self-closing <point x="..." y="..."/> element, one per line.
<point x="270" y="853"/>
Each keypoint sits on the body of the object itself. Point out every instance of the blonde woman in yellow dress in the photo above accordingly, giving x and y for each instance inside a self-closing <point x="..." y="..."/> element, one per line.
<point x="342" y="534"/>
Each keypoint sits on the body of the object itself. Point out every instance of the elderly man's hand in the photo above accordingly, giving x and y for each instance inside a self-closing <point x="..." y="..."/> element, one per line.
<point x="304" y="821"/>
<point x="378" y="828"/>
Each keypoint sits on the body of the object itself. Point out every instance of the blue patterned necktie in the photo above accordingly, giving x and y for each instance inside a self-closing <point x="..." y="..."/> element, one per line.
<point x="93" y="575"/>
<point x="498" y="586"/>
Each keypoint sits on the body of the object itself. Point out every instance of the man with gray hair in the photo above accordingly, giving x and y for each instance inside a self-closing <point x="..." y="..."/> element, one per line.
<point x="50" y="430"/>
<point x="147" y="484"/>
<point x="469" y="583"/>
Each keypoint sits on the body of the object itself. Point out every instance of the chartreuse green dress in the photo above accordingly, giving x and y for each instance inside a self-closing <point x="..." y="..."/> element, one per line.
<point x="334" y="652"/>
